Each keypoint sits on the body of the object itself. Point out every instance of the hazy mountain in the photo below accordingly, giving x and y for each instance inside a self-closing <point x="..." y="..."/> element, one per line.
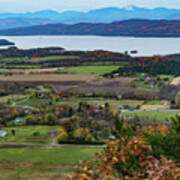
<point x="104" y="15"/>
<point x="23" y="22"/>
<point x="134" y="27"/>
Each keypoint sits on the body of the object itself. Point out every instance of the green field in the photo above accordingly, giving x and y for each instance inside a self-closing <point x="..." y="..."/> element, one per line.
<point x="13" y="98"/>
<point x="154" y="103"/>
<point x="153" y="115"/>
<point x="41" y="162"/>
<point x="102" y="101"/>
<point x="94" y="69"/>
<point x="33" y="102"/>
<point x="39" y="59"/>
<point x="25" y="134"/>
<point x="75" y="101"/>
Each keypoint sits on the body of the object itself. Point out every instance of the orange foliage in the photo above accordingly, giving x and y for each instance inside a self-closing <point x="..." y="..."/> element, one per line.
<point x="118" y="154"/>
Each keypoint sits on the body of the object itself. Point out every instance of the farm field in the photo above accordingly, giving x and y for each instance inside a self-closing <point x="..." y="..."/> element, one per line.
<point x="76" y="101"/>
<point x="153" y="115"/>
<point x="13" y="98"/>
<point x="35" y="70"/>
<point x="48" y="78"/>
<point x="151" y="107"/>
<point x="94" y="69"/>
<point x="39" y="59"/>
<point x="49" y="105"/>
<point x="27" y="134"/>
<point x="41" y="162"/>
<point x="176" y="81"/>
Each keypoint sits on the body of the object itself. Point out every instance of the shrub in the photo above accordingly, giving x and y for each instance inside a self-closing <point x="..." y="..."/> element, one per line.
<point x="90" y="138"/>
<point x="79" y="134"/>
<point x="63" y="136"/>
<point x="126" y="159"/>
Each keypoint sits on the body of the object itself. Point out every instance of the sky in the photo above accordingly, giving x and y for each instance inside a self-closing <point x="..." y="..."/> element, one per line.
<point x="80" y="5"/>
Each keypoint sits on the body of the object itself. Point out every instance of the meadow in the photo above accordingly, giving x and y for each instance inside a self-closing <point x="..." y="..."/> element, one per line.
<point x="38" y="59"/>
<point x="27" y="134"/>
<point x="153" y="115"/>
<point x="41" y="162"/>
<point x="90" y="69"/>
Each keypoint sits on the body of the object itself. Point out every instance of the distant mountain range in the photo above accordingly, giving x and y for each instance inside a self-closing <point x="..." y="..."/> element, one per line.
<point x="104" y="15"/>
<point x="23" y="22"/>
<point x="133" y="27"/>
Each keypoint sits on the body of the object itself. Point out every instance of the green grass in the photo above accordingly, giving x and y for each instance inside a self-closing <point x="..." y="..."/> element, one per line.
<point x="33" y="102"/>
<point x="39" y="163"/>
<point x="75" y="101"/>
<point x="67" y="155"/>
<point x="13" y="98"/>
<point x="153" y="115"/>
<point x="38" y="59"/>
<point x="22" y="66"/>
<point x="24" y="134"/>
<point x="91" y="69"/>
<point x="154" y="103"/>
<point x="48" y="58"/>
<point x="101" y="101"/>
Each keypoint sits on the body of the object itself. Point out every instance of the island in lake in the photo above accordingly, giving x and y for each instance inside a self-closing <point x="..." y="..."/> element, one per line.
<point x="4" y="42"/>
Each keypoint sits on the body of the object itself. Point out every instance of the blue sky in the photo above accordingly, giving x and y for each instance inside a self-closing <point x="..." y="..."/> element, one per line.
<point x="81" y="5"/>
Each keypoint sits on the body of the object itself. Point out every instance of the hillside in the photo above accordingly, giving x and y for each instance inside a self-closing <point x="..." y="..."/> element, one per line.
<point x="23" y="22"/>
<point x="133" y="27"/>
<point x="4" y="42"/>
<point x="103" y="15"/>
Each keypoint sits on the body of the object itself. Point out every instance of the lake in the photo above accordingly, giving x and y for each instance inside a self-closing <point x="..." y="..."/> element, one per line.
<point x="144" y="46"/>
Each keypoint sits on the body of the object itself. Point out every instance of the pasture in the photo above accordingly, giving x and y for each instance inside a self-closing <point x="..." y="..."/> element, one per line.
<point x="153" y="115"/>
<point x="41" y="163"/>
<point x="48" y="78"/>
<point x="91" y="69"/>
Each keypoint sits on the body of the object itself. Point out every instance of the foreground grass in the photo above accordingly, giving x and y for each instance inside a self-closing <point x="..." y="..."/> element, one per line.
<point x="41" y="163"/>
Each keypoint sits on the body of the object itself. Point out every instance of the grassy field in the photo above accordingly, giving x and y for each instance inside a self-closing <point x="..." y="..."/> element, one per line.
<point x="41" y="163"/>
<point x="38" y="59"/>
<point x="33" y="102"/>
<point x="94" y="69"/>
<point x="49" y="77"/>
<point x="76" y="101"/>
<point x="102" y="101"/>
<point x="13" y="98"/>
<point x="153" y="115"/>
<point x="154" y="103"/>
<point x="24" y="134"/>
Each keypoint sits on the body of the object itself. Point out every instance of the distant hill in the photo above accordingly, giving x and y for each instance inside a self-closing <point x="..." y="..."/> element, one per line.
<point x="4" y="42"/>
<point x="104" y="15"/>
<point x="23" y="22"/>
<point x="134" y="27"/>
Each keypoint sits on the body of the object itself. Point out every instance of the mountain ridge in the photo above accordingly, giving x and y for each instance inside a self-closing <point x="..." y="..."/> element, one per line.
<point x="102" y="15"/>
<point x="133" y="28"/>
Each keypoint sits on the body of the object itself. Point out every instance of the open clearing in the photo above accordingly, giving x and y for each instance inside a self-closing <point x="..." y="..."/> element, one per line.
<point x="176" y="81"/>
<point x="42" y="163"/>
<point x="24" y="134"/>
<point x="94" y="69"/>
<point x="149" y="107"/>
<point x="153" y="115"/>
<point x="29" y="71"/>
<point x="39" y="59"/>
<point x="48" y="78"/>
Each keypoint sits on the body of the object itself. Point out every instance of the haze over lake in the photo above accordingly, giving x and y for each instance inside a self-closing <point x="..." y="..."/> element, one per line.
<point x="144" y="46"/>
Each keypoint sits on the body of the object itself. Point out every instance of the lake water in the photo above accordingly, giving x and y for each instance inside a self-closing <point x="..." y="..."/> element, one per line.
<point x="144" y="46"/>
